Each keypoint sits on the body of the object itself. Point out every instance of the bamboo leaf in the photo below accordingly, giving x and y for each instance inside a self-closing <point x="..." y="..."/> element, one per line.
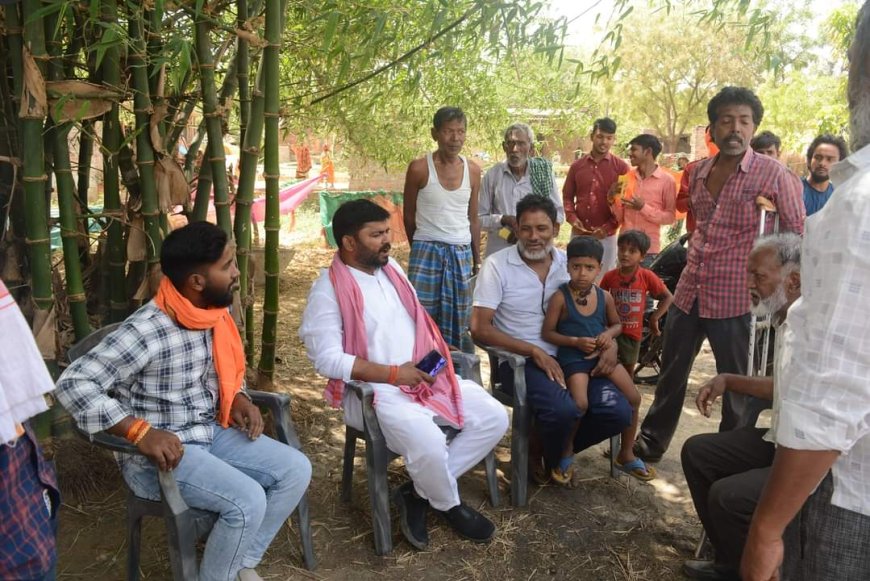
<point x="329" y="32"/>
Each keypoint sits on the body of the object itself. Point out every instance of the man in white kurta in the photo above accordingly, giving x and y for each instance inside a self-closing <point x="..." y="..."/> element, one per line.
<point x="409" y="428"/>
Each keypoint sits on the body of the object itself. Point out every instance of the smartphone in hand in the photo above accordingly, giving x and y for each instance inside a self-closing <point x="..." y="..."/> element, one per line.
<point x="432" y="363"/>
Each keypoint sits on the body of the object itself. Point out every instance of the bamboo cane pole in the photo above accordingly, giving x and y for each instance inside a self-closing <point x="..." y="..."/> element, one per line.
<point x="66" y="197"/>
<point x="116" y="251"/>
<point x="32" y="116"/>
<point x="212" y="115"/>
<point x="271" y="72"/>
<point x="142" y="109"/>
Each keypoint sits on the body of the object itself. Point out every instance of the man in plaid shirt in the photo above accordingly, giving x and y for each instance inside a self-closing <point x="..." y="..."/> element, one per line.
<point x="160" y="381"/>
<point x="711" y="301"/>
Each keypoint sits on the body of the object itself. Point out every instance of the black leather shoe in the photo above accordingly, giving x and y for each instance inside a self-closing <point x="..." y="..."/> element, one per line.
<point x="642" y="451"/>
<point x="709" y="571"/>
<point x="412" y="515"/>
<point x="469" y="523"/>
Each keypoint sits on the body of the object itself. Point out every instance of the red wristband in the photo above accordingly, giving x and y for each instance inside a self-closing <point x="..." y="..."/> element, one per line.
<point x="394" y="374"/>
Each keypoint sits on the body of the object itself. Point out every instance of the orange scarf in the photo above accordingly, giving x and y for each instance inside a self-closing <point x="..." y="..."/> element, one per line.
<point x="229" y="357"/>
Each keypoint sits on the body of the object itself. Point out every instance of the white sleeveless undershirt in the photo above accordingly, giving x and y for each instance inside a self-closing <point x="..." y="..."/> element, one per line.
<point x="442" y="215"/>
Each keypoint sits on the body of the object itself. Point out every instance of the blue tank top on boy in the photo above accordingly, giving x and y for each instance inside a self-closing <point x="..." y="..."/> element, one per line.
<point x="577" y="324"/>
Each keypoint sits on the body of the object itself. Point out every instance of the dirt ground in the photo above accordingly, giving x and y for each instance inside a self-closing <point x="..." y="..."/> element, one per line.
<point x="603" y="529"/>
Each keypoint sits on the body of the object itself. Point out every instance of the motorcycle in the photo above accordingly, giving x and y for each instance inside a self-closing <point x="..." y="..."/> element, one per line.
<point x="668" y="266"/>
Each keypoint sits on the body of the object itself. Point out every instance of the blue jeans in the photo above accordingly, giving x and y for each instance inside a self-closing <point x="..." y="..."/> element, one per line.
<point x="555" y="412"/>
<point x="252" y="485"/>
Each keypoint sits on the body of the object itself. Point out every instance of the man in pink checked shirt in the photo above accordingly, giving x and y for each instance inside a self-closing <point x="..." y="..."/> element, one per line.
<point x="711" y="300"/>
<point x="650" y="197"/>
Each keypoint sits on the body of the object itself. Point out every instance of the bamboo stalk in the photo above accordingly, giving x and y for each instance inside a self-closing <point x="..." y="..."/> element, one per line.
<point x="179" y="122"/>
<point x="115" y="248"/>
<point x="69" y="232"/>
<point x="17" y="218"/>
<point x="144" y="151"/>
<point x="34" y="178"/>
<point x="212" y="115"/>
<point x="271" y="72"/>
<point x="241" y="224"/>
<point x="66" y="197"/>
<point x="250" y="156"/>
<point x="86" y="154"/>
<point x="203" y="192"/>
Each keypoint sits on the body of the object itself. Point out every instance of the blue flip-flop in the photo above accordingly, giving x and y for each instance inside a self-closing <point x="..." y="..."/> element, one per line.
<point x="638" y="469"/>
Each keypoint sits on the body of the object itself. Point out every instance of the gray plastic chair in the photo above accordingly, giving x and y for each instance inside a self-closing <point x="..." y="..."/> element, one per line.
<point x="378" y="455"/>
<point x="184" y="525"/>
<point x="522" y="420"/>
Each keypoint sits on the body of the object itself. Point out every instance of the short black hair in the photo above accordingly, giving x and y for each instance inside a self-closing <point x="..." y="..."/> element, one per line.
<point x="735" y="96"/>
<point x="351" y="216"/>
<point x="604" y="125"/>
<point x="764" y="140"/>
<point x="636" y="238"/>
<point x="446" y="114"/>
<point x="828" y="139"/>
<point x="648" y="141"/>
<point x="585" y="247"/>
<point x="535" y="202"/>
<point x="190" y="248"/>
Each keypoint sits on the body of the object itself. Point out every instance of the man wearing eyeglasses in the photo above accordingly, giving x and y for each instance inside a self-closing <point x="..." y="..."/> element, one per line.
<point x="509" y="181"/>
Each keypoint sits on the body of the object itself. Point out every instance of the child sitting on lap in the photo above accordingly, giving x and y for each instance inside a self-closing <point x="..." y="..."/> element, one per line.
<point x="581" y="320"/>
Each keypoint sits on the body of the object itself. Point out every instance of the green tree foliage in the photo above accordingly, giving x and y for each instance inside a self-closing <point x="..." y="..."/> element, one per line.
<point x="804" y="105"/>
<point x="425" y="55"/>
<point x="671" y="63"/>
<point x="839" y="29"/>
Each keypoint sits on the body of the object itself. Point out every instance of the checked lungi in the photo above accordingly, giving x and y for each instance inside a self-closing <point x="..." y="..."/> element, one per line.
<point x="440" y="273"/>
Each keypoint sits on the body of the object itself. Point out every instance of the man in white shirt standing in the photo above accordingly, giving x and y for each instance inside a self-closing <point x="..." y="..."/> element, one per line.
<point x="820" y="480"/>
<point x="508" y="182"/>
<point x="363" y="321"/>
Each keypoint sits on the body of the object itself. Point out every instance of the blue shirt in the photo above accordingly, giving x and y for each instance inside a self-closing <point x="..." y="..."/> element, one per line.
<point x="814" y="200"/>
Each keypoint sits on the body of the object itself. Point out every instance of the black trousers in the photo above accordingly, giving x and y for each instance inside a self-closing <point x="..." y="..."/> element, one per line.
<point x="726" y="473"/>
<point x="684" y="333"/>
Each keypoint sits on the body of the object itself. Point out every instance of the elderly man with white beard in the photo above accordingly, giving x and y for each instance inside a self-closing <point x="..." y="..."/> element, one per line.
<point x="726" y="471"/>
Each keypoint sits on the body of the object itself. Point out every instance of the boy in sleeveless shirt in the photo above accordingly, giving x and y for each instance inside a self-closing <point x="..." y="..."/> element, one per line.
<point x="581" y="320"/>
<point x="440" y="215"/>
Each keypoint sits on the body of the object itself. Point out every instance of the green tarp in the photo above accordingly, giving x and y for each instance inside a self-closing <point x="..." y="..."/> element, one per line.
<point x="391" y="201"/>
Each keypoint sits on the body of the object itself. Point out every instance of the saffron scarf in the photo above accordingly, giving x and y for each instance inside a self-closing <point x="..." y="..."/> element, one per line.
<point x="443" y="396"/>
<point x="227" y="352"/>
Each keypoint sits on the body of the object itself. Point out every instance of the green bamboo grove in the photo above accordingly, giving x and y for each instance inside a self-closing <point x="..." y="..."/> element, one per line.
<point x="125" y="79"/>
